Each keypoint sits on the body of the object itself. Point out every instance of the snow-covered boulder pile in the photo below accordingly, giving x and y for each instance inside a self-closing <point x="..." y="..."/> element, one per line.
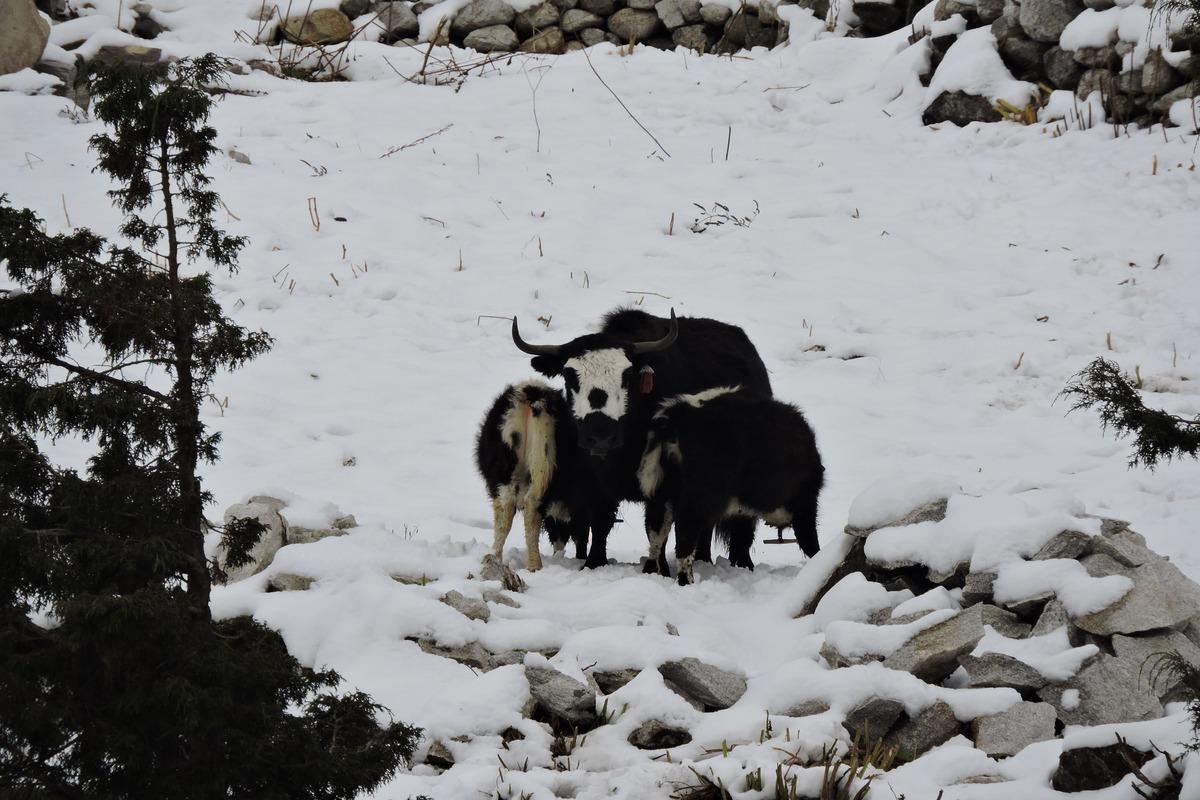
<point x="306" y="525"/>
<point x="1025" y="593"/>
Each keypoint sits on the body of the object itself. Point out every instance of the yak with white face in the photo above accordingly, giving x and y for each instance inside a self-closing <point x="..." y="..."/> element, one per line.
<point x="616" y="378"/>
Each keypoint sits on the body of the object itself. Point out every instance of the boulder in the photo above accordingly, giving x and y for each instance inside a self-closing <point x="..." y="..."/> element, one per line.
<point x="1161" y="597"/>
<point x="1189" y="67"/>
<point x="805" y="708"/>
<point x="593" y="36"/>
<point x="493" y="569"/>
<point x="1158" y="77"/>
<point x="877" y="18"/>
<point x="71" y="87"/>
<point x="871" y="719"/>
<point x="289" y="582"/>
<point x="989" y="10"/>
<point x="472" y="655"/>
<point x="991" y="670"/>
<point x="601" y="8"/>
<point x="706" y="685"/>
<point x="697" y="37"/>
<point x="1064" y="72"/>
<point x="641" y="5"/>
<point x="631" y="25"/>
<point x="819" y="8"/>
<point x="655" y="735"/>
<point x="23" y="35"/>
<point x="748" y="31"/>
<point x="536" y="19"/>
<point x="1023" y="56"/>
<point x="1086" y="769"/>
<point x="715" y="15"/>
<point x="960" y="109"/>
<point x="469" y="607"/>
<point x="499" y="598"/>
<point x="492" y="39"/>
<point x="1053" y="617"/>
<point x="576" y="20"/>
<point x="261" y="555"/>
<point x="146" y="27"/>
<point x="1096" y="80"/>
<point x="853" y="561"/>
<point x="128" y="54"/>
<point x="354" y="8"/>
<point x="481" y="14"/>
<point x="610" y="681"/>
<point x="1109" y="689"/>
<point x="1163" y="104"/>
<point x="1014" y="729"/>
<point x="934" y="653"/>
<point x="1044" y="20"/>
<point x="397" y="20"/>
<point x="568" y="704"/>
<point x="1064" y="544"/>
<point x="323" y="26"/>
<point x="1005" y="28"/>
<point x="1097" y="57"/>
<point x="298" y="534"/>
<point x="439" y="756"/>
<point x="1148" y="653"/>
<point x="677" y="13"/>
<point x="977" y="587"/>
<point x="550" y="41"/>
<point x="931" y="727"/>
<point x="945" y="9"/>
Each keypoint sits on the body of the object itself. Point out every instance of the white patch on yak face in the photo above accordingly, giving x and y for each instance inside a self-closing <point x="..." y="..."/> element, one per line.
<point x="599" y="371"/>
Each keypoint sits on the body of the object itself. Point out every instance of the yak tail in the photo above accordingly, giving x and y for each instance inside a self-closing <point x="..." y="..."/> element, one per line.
<point x="540" y="452"/>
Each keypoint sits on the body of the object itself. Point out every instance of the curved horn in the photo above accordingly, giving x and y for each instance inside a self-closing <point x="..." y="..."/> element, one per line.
<point x="533" y="349"/>
<point x="661" y="344"/>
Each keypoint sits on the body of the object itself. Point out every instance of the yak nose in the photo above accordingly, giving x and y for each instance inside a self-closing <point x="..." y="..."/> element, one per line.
<point x="601" y="444"/>
<point x="597" y="398"/>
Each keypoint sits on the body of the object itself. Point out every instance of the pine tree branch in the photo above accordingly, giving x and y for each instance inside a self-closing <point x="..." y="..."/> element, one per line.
<point x="109" y="379"/>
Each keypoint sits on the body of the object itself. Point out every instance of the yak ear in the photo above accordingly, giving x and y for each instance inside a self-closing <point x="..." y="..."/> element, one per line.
<point x="550" y="366"/>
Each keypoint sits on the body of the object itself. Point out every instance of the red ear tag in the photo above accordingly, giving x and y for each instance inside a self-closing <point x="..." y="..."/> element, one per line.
<point x="647" y="384"/>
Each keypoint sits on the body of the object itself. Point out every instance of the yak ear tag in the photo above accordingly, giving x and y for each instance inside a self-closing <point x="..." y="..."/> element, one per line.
<point x="647" y="379"/>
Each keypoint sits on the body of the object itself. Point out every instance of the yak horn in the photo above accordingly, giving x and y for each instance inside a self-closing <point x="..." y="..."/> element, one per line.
<point x="533" y="349"/>
<point x="660" y="344"/>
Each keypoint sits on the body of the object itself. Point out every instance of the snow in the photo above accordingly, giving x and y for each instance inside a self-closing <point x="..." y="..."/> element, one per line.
<point x="1067" y="579"/>
<point x="28" y="81"/>
<point x="1092" y="28"/>
<point x="972" y="65"/>
<point x="856" y="639"/>
<point x="891" y="497"/>
<point x="1050" y="654"/>
<point x="892" y="282"/>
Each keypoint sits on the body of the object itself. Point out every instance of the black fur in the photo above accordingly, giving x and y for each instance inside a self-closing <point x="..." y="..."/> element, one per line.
<point x="756" y="450"/>
<point x="707" y="353"/>
<point x="496" y="462"/>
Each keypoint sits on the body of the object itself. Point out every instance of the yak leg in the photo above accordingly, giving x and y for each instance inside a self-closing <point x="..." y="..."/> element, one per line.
<point x="602" y="521"/>
<point x="658" y="527"/>
<point x="804" y="518"/>
<point x="738" y="533"/>
<point x="533" y="531"/>
<point x="504" y="508"/>
<point x="579" y="535"/>
<point x="690" y="529"/>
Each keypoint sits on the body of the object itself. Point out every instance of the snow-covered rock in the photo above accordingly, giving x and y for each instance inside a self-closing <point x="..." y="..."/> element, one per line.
<point x="708" y="686"/>
<point x="561" y="698"/>
<point x="23" y="35"/>
<point x="1012" y="730"/>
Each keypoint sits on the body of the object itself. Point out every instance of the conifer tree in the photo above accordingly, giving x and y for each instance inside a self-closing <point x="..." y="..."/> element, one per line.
<point x="1157" y="435"/>
<point x="115" y="681"/>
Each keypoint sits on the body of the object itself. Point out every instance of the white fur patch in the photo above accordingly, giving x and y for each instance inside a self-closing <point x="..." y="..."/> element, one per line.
<point x="650" y="472"/>
<point x="779" y="518"/>
<point x="600" y="369"/>
<point x="694" y="400"/>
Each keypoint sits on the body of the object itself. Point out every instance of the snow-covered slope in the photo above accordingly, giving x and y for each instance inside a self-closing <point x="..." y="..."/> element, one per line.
<point x="922" y="294"/>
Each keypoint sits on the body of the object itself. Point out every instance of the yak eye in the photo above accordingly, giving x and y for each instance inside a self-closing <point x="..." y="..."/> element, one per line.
<point x="571" y="380"/>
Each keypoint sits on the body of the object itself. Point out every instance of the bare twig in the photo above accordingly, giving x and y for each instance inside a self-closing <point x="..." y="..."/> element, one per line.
<point x="393" y="150"/>
<point x="622" y="104"/>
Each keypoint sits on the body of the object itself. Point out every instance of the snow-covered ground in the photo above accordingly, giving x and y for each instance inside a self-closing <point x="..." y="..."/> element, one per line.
<point x="922" y="294"/>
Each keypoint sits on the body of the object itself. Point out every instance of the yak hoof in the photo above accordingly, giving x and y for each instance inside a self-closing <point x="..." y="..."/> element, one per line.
<point x="650" y="567"/>
<point x="685" y="579"/>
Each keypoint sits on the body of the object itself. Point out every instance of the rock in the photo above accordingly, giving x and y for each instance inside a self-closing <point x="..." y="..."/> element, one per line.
<point x="610" y="681"/>
<point x="467" y="606"/>
<point x="345" y="523"/>
<point x="1065" y="544"/>
<point x="959" y="108"/>
<point x="288" y="582"/>
<point x="593" y="36"/>
<point x="439" y="755"/>
<point x="991" y="670"/>
<point x="1158" y="77"/>
<point x="1110" y="689"/>
<point x="481" y="14"/>
<point x="1053" y="617"/>
<point x="1163" y="104"/>
<point x="877" y="18"/>
<point x="1004" y="622"/>
<point x="262" y="553"/>
<point x="1161" y="597"/>
<point x="1014" y="729"/>
<point x="323" y="26"/>
<point x="1096" y="80"/>
<point x="655" y="735"/>
<point x="1099" y="5"/>
<point x="1064" y="72"/>
<point x="72" y="87"/>
<point x="472" y="655"/>
<point x="819" y="8"/>
<point x="576" y="20"/>
<point x="837" y="660"/>
<point x="145" y="27"/>
<point x="1023" y="56"/>
<point x="1190" y="67"/>
<point x="492" y="596"/>
<point x="677" y="13"/>
<point x="697" y="37"/>
<point x="933" y="653"/>
<point x="989" y="10"/>
<point x="23" y="35"/>
<point x="493" y="569"/>
<point x="1005" y="28"/>
<point x="913" y="737"/>
<point x="1130" y="82"/>
<point x="1148" y="651"/>
<point x="631" y="25"/>
<point x="806" y="708"/>
<point x="397" y="20"/>
<point x="569" y="704"/>
<point x="945" y="9"/>
<point x="1030" y="607"/>
<point x="977" y="587"/>
<point x="1098" y="57"/>
<point x="128" y="54"/>
<point x="492" y="39"/>
<point x="354" y="8"/>
<point x="297" y="534"/>
<point x="871" y="719"/>
<point x="748" y="31"/>
<point x="641" y="5"/>
<point x="1185" y="38"/>
<point x="715" y="15"/>
<point x="601" y="8"/>
<point x="537" y="19"/>
<point x="550" y="41"/>
<point x="1044" y="20"/>
<point x="855" y="560"/>
<point x="1089" y="768"/>
<point x="711" y="687"/>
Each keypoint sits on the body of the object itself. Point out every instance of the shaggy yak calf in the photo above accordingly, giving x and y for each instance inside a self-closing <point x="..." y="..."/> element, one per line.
<point x="727" y="453"/>
<point x="524" y="452"/>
